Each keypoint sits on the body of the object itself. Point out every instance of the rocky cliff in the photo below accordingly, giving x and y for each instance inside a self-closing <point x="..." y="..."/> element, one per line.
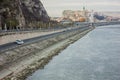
<point x="21" y="13"/>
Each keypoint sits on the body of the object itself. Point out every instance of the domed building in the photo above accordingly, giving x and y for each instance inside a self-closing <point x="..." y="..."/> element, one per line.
<point x="82" y="19"/>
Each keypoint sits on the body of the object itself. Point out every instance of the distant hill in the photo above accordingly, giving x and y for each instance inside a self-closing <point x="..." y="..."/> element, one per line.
<point x="112" y="13"/>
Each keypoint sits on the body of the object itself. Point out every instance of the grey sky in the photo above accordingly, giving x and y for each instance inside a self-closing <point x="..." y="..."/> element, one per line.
<point x="55" y="7"/>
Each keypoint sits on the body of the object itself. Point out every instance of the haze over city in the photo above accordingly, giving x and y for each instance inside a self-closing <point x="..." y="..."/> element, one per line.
<point x="55" y="7"/>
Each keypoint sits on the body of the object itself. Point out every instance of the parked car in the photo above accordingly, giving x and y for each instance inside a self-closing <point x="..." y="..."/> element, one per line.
<point x="19" y="42"/>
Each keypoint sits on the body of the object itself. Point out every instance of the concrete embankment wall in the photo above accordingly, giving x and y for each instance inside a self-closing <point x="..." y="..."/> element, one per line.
<point x="36" y="55"/>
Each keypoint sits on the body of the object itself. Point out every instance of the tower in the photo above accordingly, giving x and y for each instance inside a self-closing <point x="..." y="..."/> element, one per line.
<point x="83" y="8"/>
<point x="85" y="14"/>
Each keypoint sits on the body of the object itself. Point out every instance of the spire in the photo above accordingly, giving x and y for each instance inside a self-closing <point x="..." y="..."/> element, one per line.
<point x="83" y="7"/>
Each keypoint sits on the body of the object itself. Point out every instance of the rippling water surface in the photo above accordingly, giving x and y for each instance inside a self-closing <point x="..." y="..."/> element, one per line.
<point x="96" y="56"/>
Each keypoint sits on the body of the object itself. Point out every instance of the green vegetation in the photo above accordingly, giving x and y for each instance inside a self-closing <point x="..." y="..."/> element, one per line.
<point x="5" y="3"/>
<point x="12" y="23"/>
<point x="47" y="25"/>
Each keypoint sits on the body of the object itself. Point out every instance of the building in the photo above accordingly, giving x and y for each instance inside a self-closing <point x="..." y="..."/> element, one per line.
<point x="81" y="16"/>
<point x="57" y="19"/>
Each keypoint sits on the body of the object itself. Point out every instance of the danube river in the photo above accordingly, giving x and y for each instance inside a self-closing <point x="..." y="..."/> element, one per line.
<point x="96" y="56"/>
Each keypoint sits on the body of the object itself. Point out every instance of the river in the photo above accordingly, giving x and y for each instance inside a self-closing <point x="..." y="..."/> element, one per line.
<point x="96" y="56"/>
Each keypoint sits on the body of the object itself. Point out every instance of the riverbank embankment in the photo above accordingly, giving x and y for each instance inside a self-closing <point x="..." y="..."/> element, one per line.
<point x="20" y="62"/>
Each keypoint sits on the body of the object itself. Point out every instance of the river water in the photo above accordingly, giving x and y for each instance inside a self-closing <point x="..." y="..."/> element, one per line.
<point x="96" y="56"/>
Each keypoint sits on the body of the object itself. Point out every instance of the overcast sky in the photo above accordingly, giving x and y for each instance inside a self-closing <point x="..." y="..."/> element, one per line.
<point x="56" y="7"/>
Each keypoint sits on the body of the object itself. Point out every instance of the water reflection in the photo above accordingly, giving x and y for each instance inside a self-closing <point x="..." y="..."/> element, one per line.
<point x="94" y="57"/>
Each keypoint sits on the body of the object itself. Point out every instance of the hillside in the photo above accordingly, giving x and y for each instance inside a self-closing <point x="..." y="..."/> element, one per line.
<point x="21" y="13"/>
